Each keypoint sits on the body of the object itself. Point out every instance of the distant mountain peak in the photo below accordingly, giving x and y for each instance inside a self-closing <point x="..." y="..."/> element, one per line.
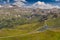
<point x="43" y="5"/>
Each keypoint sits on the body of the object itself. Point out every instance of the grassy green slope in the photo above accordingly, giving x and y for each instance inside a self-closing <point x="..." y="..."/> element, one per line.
<point x="47" y="35"/>
<point x="53" y="22"/>
<point x="22" y="29"/>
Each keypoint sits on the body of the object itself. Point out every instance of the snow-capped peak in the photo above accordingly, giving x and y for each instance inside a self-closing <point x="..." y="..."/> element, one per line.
<point x="10" y="6"/>
<point x="43" y="5"/>
<point x="1" y="6"/>
<point x="6" y="6"/>
<point x="39" y="3"/>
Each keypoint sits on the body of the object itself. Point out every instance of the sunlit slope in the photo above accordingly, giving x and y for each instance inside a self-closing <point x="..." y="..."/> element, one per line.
<point x="10" y="32"/>
<point x="31" y="27"/>
<point x="22" y="29"/>
<point x="47" y="35"/>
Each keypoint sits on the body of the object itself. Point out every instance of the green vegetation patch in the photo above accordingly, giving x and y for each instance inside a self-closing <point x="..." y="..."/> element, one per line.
<point x="53" y="22"/>
<point x="47" y="35"/>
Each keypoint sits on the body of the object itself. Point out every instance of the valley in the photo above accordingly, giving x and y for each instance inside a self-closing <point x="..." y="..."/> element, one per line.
<point x="29" y="24"/>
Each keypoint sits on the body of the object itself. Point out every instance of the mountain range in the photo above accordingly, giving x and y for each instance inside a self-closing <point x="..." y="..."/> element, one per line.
<point x="38" y="4"/>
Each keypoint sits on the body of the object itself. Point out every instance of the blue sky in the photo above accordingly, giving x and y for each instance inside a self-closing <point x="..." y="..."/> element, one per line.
<point x="54" y="2"/>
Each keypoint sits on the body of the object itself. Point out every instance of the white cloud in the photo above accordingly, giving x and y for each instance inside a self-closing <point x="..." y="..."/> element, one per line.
<point x="19" y="3"/>
<point x="57" y="0"/>
<point x="38" y="4"/>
